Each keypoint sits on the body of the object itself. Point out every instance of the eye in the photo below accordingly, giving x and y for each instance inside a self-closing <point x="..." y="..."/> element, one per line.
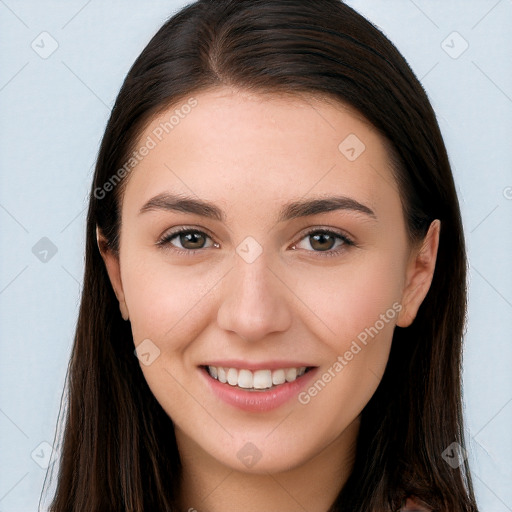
<point x="324" y="241"/>
<point x="189" y="240"/>
<point x="321" y="241"/>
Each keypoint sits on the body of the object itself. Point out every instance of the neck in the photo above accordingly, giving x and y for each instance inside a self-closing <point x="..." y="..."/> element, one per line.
<point x="207" y="485"/>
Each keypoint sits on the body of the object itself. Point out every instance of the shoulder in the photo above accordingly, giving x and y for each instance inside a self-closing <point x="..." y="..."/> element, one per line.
<point x="413" y="506"/>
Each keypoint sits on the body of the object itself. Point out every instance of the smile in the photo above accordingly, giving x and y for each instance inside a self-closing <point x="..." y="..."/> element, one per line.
<point x="259" y="389"/>
<point x="256" y="380"/>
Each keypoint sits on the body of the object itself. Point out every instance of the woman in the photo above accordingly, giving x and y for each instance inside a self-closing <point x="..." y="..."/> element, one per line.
<point x="275" y="284"/>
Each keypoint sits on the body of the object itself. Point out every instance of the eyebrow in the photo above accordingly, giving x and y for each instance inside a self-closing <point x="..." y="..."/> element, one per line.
<point x="291" y="210"/>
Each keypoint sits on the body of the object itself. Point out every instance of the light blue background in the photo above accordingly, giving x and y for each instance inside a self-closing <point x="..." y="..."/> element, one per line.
<point x="54" y="112"/>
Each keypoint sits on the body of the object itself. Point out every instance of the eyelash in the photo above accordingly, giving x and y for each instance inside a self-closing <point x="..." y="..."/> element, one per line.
<point x="347" y="242"/>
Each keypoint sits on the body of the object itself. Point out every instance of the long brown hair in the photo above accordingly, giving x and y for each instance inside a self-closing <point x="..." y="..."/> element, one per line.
<point x="118" y="449"/>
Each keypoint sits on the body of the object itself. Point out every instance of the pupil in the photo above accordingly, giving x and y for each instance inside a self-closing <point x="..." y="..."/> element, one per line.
<point x="319" y="241"/>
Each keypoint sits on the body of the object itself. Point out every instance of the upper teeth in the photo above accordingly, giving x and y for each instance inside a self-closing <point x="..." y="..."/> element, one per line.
<point x="259" y="379"/>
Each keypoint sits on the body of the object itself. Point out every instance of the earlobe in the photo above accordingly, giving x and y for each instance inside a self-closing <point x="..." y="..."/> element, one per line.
<point x="419" y="275"/>
<point x="111" y="261"/>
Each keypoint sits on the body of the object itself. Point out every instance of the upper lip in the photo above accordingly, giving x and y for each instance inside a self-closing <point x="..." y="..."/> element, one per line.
<point x="263" y="365"/>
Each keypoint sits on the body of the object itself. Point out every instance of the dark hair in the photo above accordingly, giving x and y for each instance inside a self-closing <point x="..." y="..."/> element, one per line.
<point x="119" y="451"/>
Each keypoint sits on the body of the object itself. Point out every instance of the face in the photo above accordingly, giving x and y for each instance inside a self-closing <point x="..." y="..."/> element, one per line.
<point x="288" y="283"/>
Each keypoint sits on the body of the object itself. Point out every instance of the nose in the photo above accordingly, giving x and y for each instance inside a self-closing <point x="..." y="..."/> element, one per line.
<point x="254" y="301"/>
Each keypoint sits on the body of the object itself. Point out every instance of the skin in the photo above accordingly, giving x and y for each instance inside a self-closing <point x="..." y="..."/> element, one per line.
<point x="250" y="154"/>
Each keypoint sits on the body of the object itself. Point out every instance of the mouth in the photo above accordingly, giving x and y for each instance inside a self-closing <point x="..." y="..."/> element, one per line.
<point x="257" y="380"/>
<point x="259" y="389"/>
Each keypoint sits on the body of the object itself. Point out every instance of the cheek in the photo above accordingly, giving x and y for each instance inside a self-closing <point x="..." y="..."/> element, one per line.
<point x="350" y="299"/>
<point x="165" y="302"/>
<point x="168" y="306"/>
<point x="360" y="307"/>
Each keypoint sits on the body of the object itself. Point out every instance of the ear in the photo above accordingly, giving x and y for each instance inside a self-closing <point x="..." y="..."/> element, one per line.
<point x="114" y="271"/>
<point x="420" y="272"/>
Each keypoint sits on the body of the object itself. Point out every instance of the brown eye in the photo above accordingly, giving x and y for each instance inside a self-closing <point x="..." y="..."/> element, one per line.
<point x="322" y="241"/>
<point x="325" y="241"/>
<point x="186" y="240"/>
<point x="192" y="240"/>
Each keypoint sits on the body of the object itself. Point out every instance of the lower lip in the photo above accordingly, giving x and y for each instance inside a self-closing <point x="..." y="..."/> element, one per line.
<point x="257" y="401"/>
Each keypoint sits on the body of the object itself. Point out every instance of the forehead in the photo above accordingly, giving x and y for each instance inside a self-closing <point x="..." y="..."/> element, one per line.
<point x="229" y="145"/>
